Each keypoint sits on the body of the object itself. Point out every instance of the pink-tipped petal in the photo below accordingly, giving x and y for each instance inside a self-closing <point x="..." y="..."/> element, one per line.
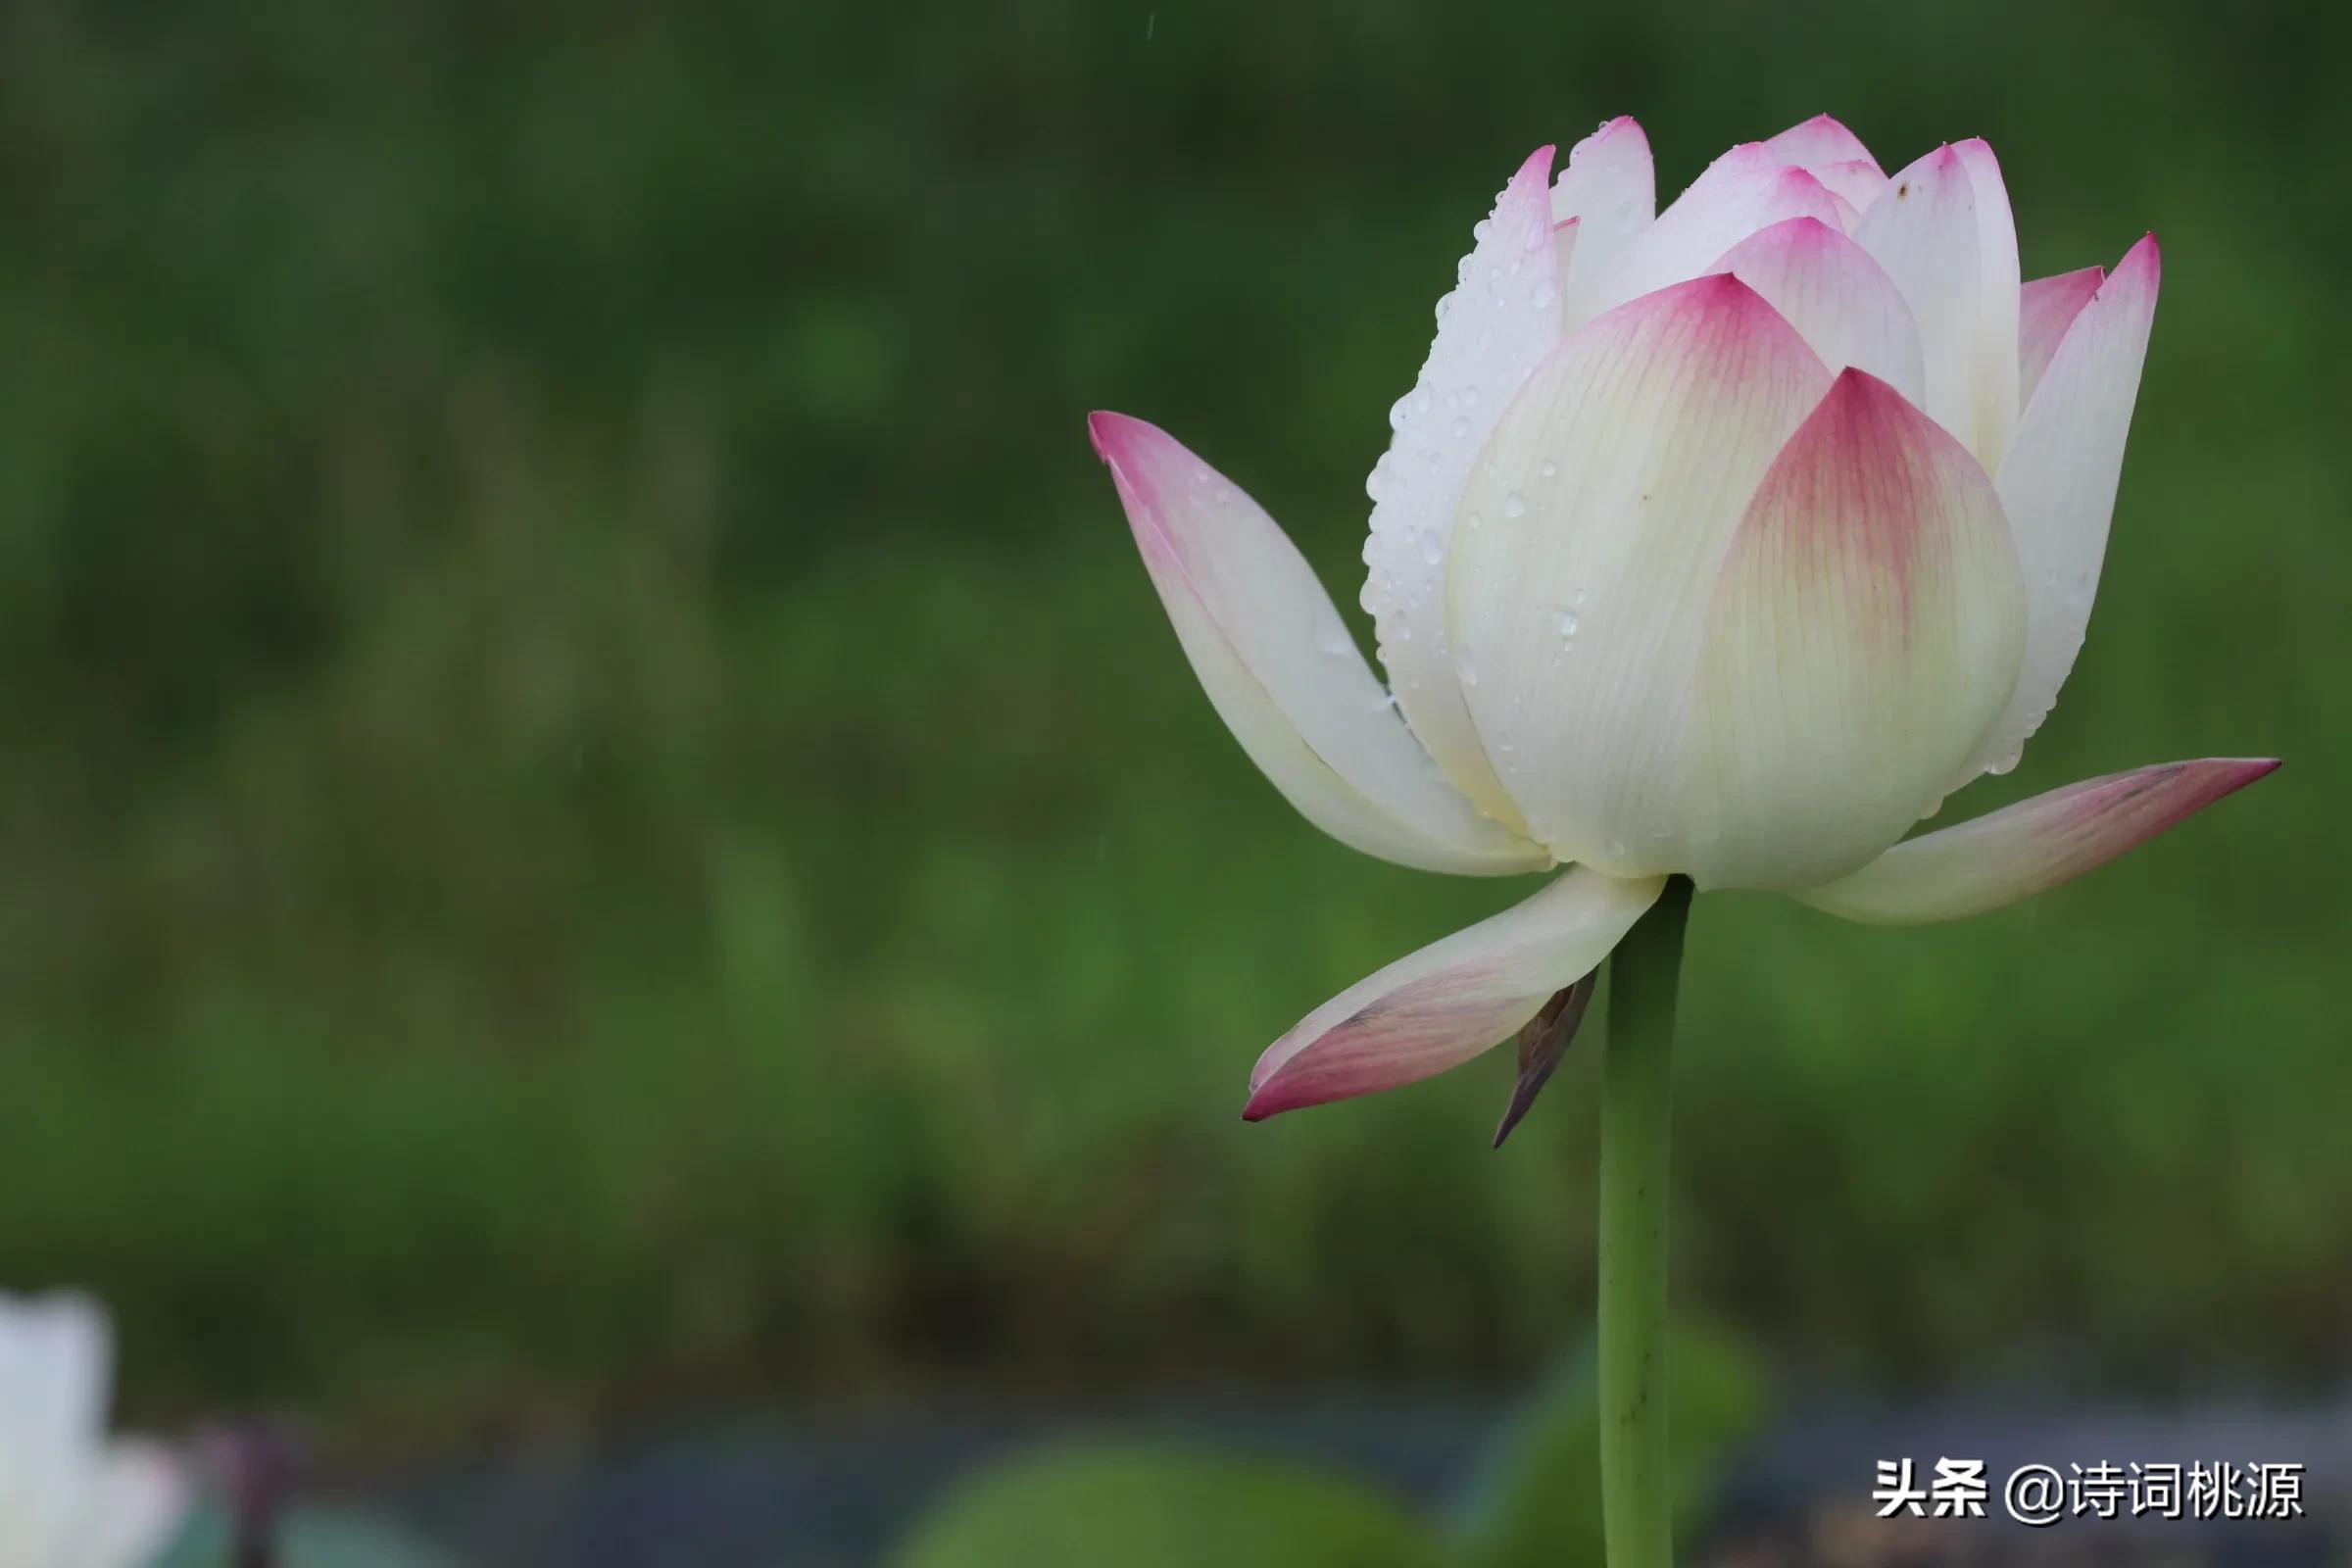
<point x="1743" y="191"/>
<point x="1866" y="628"/>
<point x="1492" y="328"/>
<point x="1818" y="142"/>
<point x="1937" y="233"/>
<point x="1842" y="303"/>
<point x="1609" y="190"/>
<point x="2033" y="846"/>
<point x="2059" y="486"/>
<point x="1281" y="667"/>
<point x="1440" y="1007"/>
<point x="1606" y="503"/>
<point x="2045" y="308"/>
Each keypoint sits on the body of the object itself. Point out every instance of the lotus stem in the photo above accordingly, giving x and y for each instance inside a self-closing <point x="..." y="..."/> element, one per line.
<point x="1637" y="1490"/>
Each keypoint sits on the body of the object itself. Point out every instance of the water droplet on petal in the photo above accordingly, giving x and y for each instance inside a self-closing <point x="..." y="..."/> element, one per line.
<point x="1514" y="506"/>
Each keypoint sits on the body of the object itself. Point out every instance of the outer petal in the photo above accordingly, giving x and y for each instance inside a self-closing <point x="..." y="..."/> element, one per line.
<point x="1609" y="190"/>
<point x="1744" y="190"/>
<point x="1866" y="629"/>
<point x="2059" y="482"/>
<point x="1590" y="536"/>
<point x="1281" y="668"/>
<point x="2024" y="849"/>
<point x="1491" y="329"/>
<point x="1932" y="232"/>
<point x="1455" y="998"/>
<point x="1842" y="303"/>
<point x="1818" y="141"/>
<point x="2046" y="309"/>
<point x="138" y="1499"/>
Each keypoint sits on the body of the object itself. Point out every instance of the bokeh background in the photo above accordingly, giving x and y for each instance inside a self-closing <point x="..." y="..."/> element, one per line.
<point x="600" y="824"/>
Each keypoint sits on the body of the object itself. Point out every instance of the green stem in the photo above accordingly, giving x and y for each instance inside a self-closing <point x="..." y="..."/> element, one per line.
<point x="1637" y="1105"/>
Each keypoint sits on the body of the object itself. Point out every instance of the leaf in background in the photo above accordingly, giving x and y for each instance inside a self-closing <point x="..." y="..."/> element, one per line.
<point x="306" y="1537"/>
<point x="1147" y="1506"/>
<point x="1538" y="1500"/>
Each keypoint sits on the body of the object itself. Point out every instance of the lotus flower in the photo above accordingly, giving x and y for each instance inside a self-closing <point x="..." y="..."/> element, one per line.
<point x="1723" y="543"/>
<point x="68" y="1498"/>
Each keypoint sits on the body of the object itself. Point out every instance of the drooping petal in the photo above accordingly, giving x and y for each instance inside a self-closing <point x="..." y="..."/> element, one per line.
<point x="1281" y="668"/>
<point x="1840" y="301"/>
<point x="1744" y="190"/>
<point x="1502" y="318"/>
<point x="2046" y="309"/>
<point x="139" y="1495"/>
<point x="1930" y="233"/>
<point x="1819" y="141"/>
<point x="1455" y="998"/>
<point x="2034" y="845"/>
<point x="1609" y="191"/>
<point x="1866" y="629"/>
<point x="2058" y="486"/>
<point x="1589" y="540"/>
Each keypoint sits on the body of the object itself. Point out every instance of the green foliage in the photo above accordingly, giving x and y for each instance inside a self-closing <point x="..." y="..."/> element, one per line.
<point x="1539" y="1505"/>
<point x="1535" y="1503"/>
<point x="1157" y="1507"/>
<point x="596" y="804"/>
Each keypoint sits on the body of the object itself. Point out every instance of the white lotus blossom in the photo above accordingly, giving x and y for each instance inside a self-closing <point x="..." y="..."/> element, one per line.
<point x="1722" y="542"/>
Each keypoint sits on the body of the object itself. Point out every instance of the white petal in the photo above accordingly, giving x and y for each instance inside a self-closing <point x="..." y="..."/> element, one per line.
<point x="1590" y="537"/>
<point x="1744" y="190"/>
<point x="1818" y="142"/>
<point x="1502" y="318"/>
<point x="1842" y="303"/>
<point x="2024" y="849"/>
<point x="1455" y="998"/>
<point x="1281" y="668"/>
<point x="2059" y="483"/>
<point x="1944" y="234"/>
<point x="1858" y="185"/>
<point x="1866" y="629"/>
<point x="1998" y="286"/>
<point x="1609" y="191"/>
<point x="2046" y="309"/>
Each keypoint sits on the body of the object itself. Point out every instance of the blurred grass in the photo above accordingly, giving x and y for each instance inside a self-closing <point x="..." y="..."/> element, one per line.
<point x="598" y="812"/>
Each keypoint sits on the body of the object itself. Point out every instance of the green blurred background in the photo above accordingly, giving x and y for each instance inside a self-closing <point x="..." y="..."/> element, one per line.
<point x="598" y="817"/>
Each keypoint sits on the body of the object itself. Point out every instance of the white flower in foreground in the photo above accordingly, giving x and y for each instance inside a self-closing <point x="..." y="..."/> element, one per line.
<point x="1721" y="543"/>
<point x="69" y="1497"/>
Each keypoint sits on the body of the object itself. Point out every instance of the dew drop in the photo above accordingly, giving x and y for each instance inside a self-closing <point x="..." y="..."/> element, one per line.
<point x="1549" y="469"/>
<point x="1514" y="506"/>
<point x="1461" y="429"/>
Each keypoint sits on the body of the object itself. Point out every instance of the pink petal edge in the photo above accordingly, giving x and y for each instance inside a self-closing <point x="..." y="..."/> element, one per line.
<point x="2012" y="853"/>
